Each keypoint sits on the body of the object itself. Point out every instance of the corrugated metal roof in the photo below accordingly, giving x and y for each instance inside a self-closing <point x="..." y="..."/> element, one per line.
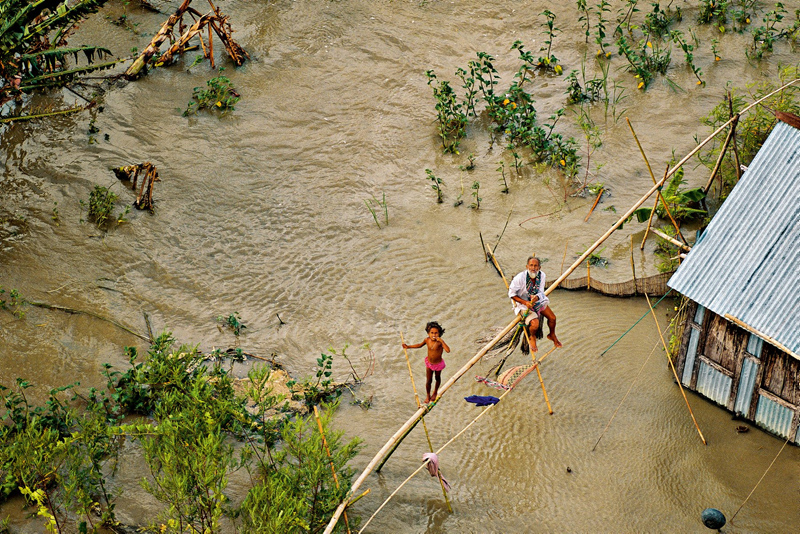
<point x="747" y="262"/>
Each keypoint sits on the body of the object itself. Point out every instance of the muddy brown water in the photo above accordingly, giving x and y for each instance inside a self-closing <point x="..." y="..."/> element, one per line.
<point x="262" y="212"/>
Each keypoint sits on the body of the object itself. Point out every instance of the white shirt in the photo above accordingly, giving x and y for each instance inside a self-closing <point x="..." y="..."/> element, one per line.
<point x="518" y="288"/>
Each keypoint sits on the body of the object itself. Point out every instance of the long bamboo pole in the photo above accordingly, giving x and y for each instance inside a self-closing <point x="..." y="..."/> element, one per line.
<point x="475" y="359"/>
<point x="412" y="421"/>
<point x="528" y="339"/>
<point x="425" y="463"/>
<point x="650" y="170"/>
<point x="424" y="425"/>
<point x="674" y="372"/>
<point x="721" y="155"/>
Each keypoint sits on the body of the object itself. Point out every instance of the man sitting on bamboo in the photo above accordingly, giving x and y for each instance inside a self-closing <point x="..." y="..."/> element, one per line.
<point x="527" y="292"/>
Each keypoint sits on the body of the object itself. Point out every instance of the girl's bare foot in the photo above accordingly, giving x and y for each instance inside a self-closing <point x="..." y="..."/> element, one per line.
<point x="427" y="399"/>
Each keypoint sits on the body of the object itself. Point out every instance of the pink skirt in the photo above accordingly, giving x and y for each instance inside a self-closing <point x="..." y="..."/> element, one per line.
<point x="437" y="367"/>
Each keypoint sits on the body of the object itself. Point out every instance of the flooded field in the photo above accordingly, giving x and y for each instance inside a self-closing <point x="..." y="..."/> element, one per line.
<point x="262" y="212"/>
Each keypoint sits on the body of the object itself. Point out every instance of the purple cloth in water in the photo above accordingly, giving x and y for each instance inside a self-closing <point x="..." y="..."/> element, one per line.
<point x="482" y="400"/>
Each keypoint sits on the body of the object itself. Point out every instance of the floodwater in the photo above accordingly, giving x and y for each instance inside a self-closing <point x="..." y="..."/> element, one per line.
<point x="263" y="213"/>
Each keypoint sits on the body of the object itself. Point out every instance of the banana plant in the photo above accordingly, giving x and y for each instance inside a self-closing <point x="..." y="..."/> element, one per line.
<point x="33" y="38"/>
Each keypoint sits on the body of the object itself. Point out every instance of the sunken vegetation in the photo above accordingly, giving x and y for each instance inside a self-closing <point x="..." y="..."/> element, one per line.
<point x="194" y="429"/>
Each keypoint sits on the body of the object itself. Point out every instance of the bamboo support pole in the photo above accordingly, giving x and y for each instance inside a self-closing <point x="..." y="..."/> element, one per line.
<point x="330" y="459"/>
<point x="530" y="346"/>
<point x="403" y="430"/>
<point x="735" y="148"/>
<point x="721" y="156"/>
<point x="671" y="239"/>
<point x="674" y="372"/>
<point x="483" y="246"/>
<point x="653" y="177"/>
<point x="482" y="352"/>
<point x="600" y="194"/>
<point x="649" y="224"/>
<point x="633" y="268"/>
<point x="424" y="425"/>
<point x="504" y="230"/>
<point x="425" y="463"/>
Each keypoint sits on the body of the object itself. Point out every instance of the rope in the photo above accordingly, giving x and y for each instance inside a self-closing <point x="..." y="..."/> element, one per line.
<point x="762" y="478"/>
<point x="626" y="395"/>
<point x="425" y="463"/>
<point x="636" y="377"/>
<point x="637" y="322"/>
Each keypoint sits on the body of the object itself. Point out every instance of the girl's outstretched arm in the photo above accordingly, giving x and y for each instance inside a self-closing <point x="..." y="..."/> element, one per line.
<point x="417" y="346"/>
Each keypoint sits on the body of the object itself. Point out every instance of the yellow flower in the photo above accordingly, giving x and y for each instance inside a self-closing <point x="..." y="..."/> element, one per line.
<point x="219" y="104"/>
<point x="514" y="105"/>
<point x="747" y="20"/>
<point x="564" y="163"/>
<point x="558" y="69"/>
<point x="505" y="102"/>
<point x="716" y="58"/>
<point x="608" y="54"/>
<point x="641" y="84"/>
<point x="649" y="44"/>
<point x="599" y="52"/>
<point x="699" y="82"/>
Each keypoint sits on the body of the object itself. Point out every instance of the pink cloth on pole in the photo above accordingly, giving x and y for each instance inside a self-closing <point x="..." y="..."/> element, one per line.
<point x="433" y="467"/>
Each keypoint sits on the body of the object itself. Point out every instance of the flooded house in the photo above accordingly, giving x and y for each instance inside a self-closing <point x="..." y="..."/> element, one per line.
<point x="740" y="345"/>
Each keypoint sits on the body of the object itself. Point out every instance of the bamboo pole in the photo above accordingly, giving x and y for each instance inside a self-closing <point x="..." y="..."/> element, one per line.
<point x="672" y="366"/>
<point x="530" y="346"/>
<point x="425" y="463"/>
<point x="330" y="459"/>
<point x="735" y="148"/>
<point x="475" y="359"/>
<point x="653" y="177"/>
<point x="424" y="425"/>
<point x="672" y="240"/>
<point x="649" y="223"/>
<point x="600" y="194"/>
<point x="721" y="156"/>
<point x="633" y="268"/>
<point x="483" y="246"/>
<point x="413" y="420"/>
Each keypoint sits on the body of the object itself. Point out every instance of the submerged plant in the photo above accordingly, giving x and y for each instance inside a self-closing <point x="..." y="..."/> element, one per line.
<point x="381" y="204"/>
<point x="476" y="189"/>
<point x="450" y="116"/>
<point x="101" y="205"/>
<point x="219" y="96"/>
<point x="436" y="184"/>
<point x="232" y="322"/>
<point x="502" y="170"/>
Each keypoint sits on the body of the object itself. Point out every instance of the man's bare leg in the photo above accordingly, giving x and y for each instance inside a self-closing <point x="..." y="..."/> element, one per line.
<point x="532" y="327"/>
<point x="551" y="324"/>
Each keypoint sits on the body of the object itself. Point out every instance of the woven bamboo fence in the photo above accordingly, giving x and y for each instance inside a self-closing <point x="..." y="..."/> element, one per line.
<point x="654" y="286"/>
